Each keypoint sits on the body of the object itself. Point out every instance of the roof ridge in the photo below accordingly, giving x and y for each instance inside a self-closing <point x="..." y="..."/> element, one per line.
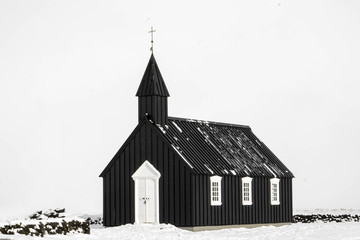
<point x="210" y="122"/>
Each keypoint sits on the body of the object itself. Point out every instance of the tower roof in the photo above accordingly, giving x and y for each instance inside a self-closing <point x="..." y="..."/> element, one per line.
<point x="152" y="82"/>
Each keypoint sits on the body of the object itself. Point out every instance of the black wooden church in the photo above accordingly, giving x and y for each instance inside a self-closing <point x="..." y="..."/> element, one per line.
<point x="191" y="172"/>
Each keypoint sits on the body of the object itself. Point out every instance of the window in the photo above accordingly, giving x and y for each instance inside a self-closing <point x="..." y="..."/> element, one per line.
<point x="274" y="191"/>
<point x="215" y="191"/>
<point x="246" y="191"/>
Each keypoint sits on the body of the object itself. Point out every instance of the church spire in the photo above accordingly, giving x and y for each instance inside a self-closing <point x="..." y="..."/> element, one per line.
<point x="152" y="94"/>
<point x="152" y="82"/>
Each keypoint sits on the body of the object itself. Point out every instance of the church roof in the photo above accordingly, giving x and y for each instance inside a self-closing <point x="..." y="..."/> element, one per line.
<point x="222" y="149"/>
<point x="152" y="82"/>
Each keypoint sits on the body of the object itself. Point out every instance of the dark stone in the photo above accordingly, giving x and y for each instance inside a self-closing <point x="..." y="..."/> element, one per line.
<point x="60" y="210"/>
<point x="324" y="217"/>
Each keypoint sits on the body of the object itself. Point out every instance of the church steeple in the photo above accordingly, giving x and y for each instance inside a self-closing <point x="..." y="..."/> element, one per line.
<point x="152" y="82"/>
<point x="152" y="94"/>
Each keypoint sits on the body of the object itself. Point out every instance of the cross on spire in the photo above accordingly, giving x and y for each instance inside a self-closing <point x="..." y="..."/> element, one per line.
<point x="152" y="39"/>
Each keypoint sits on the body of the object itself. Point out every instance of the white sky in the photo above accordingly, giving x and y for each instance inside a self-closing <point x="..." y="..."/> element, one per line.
<point x="69" y="71"/>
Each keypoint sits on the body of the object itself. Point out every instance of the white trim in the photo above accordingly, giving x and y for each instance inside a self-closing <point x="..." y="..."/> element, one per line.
<point x="246" y="190"/>
<point x="215" y="190"/>
<point x="275" y="191"/>
<point x="147" y="171"/>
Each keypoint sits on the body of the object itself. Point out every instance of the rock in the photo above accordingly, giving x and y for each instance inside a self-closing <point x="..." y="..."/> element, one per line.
<point x="324" y="218"/>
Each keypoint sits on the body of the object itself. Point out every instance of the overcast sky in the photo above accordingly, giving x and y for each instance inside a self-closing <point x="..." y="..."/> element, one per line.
<point x="69" y="71"/>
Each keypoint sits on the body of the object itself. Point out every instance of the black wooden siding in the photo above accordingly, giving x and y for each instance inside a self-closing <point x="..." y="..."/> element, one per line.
<point x="156" y="107"/>
<point x="184" y="197"/>
<point x="175" y="188"/>
<point x="231" y="211"/>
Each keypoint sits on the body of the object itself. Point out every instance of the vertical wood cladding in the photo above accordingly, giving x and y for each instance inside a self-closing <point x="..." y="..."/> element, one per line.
<point x="184" y="197"/>
<point x="174" y="195"/>
<point x="156" y="107"/>
<point x="232" y="211"/>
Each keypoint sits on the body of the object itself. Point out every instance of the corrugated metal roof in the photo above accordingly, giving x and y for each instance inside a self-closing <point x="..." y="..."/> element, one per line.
<point x="152" y="82"/>
<point x="222" y="149"/>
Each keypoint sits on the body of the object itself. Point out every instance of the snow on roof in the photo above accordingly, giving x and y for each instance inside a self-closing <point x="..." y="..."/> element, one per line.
<point x="270" y="170"/>
<point x="177" y="150"/>
<point x="208" y="168"/>
<point x="178" y="128"/>
<point x="161" y="128"/>
<point x="223" y="149"/>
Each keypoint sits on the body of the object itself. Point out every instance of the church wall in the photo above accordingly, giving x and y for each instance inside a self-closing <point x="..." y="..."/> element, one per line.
<point x="231" y="211"/>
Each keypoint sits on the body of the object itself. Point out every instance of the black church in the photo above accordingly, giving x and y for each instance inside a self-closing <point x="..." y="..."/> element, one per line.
<point x="192" y="173"/>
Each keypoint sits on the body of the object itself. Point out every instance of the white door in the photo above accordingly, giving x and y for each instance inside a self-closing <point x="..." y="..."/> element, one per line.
<point x="146" y="200"/>
<point x="146" y="180"/>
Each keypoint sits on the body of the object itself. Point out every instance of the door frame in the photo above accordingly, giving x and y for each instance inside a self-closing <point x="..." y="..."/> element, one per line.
<point x="147" y="171"/>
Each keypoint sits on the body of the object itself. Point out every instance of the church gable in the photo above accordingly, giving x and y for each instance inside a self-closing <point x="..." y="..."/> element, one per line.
<point x="126" y="144"/>
<point x="146" y="142"/>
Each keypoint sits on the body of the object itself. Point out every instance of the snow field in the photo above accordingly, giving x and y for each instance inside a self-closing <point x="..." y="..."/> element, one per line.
<point x="348" y="231"/>
<point x="303" y="231"/>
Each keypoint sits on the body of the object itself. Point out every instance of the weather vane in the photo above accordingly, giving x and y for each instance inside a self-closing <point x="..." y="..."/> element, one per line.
<point x="152" y="39"/>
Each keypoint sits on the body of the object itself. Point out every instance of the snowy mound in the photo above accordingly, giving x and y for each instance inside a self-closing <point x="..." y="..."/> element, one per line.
<point x="46" y="222"/>
<point x="96" y="221"/>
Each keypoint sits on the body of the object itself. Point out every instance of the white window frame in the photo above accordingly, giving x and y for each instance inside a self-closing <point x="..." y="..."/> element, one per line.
<point x="246" y="187"/>
<point x="215" y="190"/>
<point x="275" y="191"/>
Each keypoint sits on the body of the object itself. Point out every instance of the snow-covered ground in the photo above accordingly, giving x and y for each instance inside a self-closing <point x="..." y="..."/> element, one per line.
<point x="348" y="231"/>
<point x="319" y="230"/>
<point x="295" y="231"/>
